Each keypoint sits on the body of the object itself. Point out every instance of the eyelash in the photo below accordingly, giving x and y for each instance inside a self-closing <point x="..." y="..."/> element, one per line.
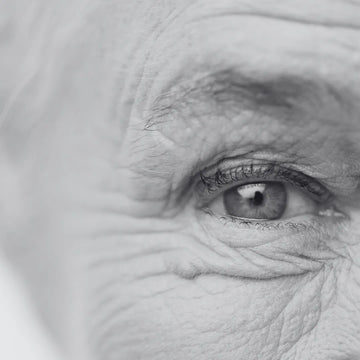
<point x="210" y="185"/>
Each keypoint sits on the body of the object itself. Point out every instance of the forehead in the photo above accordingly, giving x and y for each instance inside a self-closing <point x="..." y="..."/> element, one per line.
<point x="261" y="38"/>
<point x="323" y="11"/>
<point x="332" y="12"/>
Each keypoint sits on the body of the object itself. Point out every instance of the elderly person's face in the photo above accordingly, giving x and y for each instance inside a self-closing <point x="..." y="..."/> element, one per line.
<point x="181" y="178"/>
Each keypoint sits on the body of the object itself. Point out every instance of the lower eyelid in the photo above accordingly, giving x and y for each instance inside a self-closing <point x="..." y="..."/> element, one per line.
<point x="225" y="250"/>
<point x="232" y="230"/>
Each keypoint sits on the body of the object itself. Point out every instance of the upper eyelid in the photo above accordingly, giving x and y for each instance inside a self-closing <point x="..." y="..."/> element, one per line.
<point x="211" y="182"/>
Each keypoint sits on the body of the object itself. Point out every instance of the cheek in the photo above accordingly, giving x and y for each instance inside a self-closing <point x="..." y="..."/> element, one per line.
<point x="140" y="309"/>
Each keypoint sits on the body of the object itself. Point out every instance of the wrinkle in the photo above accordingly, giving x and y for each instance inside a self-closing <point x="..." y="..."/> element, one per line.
<point x="200" y="259"/>
<point x="285" y="18"/>
<point x="110" y="317"/>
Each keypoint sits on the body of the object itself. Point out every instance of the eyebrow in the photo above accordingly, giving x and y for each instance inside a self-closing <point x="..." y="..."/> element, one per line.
<point x="285" y="93"/>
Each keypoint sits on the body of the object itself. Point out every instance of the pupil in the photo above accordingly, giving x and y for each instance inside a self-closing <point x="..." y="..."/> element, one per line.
<point x="258" y="198"/>
<point x="265" y="201"/>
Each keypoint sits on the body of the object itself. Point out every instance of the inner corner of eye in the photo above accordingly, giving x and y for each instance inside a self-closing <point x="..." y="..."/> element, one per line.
<point x="270" y="200"/>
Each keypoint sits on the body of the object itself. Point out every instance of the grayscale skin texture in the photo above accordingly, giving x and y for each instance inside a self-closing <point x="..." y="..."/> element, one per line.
<point x="98" y="209"/>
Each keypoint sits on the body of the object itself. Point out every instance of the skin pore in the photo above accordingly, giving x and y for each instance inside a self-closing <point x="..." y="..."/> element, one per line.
<point x="107" y="149"/>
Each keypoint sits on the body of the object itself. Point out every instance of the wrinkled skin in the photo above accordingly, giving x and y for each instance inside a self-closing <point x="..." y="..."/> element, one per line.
<point x="98" y="210"/>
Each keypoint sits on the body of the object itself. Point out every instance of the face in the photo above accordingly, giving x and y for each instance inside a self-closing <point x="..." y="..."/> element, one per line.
<point x="181" y="178"/>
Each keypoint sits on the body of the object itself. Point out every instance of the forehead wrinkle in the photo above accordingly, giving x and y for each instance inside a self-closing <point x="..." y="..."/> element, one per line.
<point x="339" y="14"/>
<point x="289" y="18"/>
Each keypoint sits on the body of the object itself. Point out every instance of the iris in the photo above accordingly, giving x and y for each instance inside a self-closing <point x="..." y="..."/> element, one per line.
<point x="266" y="200"/>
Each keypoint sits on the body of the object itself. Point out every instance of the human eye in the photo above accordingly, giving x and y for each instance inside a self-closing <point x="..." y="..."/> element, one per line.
<point x="262" y="219"/>
<point x="260" y="193"/>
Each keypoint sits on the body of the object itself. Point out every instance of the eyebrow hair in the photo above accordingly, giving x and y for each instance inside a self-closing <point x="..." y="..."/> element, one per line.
<point x="285" y="93"/>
